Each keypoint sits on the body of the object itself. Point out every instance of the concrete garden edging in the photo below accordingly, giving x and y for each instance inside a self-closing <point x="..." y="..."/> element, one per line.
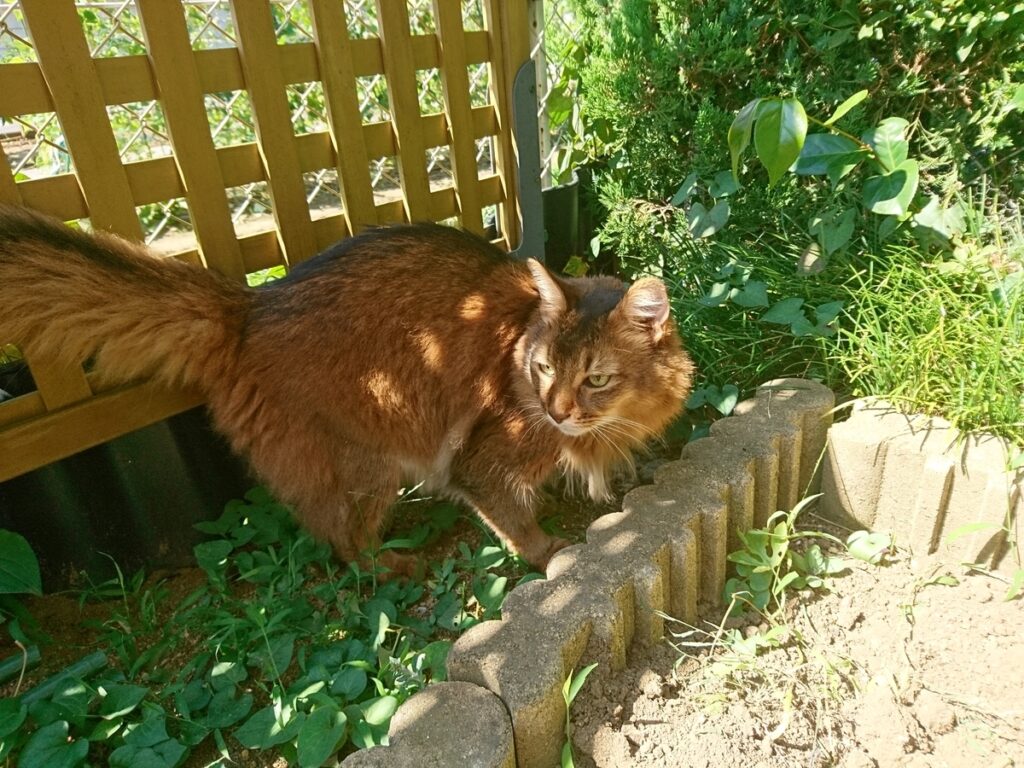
<point x="935" y="489"/>
<point x="662" y="553"/>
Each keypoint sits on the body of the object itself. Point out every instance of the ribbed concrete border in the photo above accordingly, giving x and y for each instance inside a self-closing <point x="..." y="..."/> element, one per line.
<point x="662" y="553"/>
<point x="923" y="481"/>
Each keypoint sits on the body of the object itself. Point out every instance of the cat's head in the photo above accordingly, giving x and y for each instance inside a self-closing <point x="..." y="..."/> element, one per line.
<point x="603" y="358"/>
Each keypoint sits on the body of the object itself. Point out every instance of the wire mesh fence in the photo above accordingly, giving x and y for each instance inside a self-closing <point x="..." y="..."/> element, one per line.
<point x="36" y="147"/>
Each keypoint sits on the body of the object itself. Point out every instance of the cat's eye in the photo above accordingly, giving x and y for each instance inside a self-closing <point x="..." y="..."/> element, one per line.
<point x="546" y="369"/>
<point x="598" y="380"/>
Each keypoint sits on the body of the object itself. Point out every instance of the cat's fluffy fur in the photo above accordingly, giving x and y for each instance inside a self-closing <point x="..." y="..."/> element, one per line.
<point x="406" y="351"/>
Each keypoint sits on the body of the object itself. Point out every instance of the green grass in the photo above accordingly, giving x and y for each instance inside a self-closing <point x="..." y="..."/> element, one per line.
<point x="278" y="650"/>
<point x="942" y="338"/>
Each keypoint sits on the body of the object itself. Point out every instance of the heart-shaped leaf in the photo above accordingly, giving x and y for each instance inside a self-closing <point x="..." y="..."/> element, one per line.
<point x="888" y="139"/>
<point x="822" y="150"/>
<point x="19" y="569"/>
<point x="49" y="747"/>
<point x="320" y="736"/>
<point x="892" y="194"/>
<point x="785" y="312"/>
<point x="704" y="223"/>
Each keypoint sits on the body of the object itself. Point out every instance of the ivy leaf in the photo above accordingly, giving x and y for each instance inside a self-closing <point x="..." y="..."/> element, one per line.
<point x="779" y="136"/>
<point x="723" y="185"/>
<point x="753" y="294"/>
<point x="821" y="151"/>
<point x="833" y="230"/>
<point x="892" y="194"/>
<point x="320" y="736"/>
<point x="49" y="748"/>
<point x="704" y="223"/>
<point x="19" y="569"/>
<point x="685" y="190"/>
<point x="826" y="313"/>
<point x="120" y="700"/>
<point x="266" y="729"/>
<point x="12" y="715"/>
<point x="888" y="139"/>
<point x="846" y="106"/>
<point x="939" y="222"/>
<point x="723" y="400"/>
<point x="785" y="312"/>
<point x="868" y="547"/>
<point x="739" y="134"/>
<point x="379" y="711"/>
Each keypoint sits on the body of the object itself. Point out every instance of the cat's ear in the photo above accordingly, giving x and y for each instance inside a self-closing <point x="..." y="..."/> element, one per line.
<point x="646" y="304"/>
<point x="552" y="299"/>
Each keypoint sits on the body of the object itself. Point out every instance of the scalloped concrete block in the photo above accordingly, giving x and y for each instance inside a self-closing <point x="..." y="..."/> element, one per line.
<point x="430" y="731"/>
<point x="930" y="486"/>
<point x="808" y="405"/>
<point x="749" y="436"/>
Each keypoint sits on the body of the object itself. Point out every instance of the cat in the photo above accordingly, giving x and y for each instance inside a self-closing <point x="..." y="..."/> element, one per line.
<point x="409" y="351"/>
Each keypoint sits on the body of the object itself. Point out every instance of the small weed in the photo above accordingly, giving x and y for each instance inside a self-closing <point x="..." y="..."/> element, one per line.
<point x="768" y="566"/>
<point x="570" y="690"/>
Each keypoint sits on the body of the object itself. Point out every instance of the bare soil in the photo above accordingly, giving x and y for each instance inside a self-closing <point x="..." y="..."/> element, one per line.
<point x="907" y="664"/>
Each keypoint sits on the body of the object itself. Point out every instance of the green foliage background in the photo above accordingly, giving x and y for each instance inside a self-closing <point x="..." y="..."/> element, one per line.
<point x="661" y="81"/>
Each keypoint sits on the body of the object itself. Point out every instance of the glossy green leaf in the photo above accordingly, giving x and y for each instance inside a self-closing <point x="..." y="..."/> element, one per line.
<point x="12" y="715"/>
<point x="739" y="134"/>
<point x="120" y="700"/>
<point x="703" y="222"/>
<point x="574" y="683"/>
<point x="266" y="728"/>
<point x="833" y="230"/>
<point x="846" y="106"/>
<point x="785" y="311"/>
<point x="779" y="135"/>
<point x="888" y="139"/>
<point x="379" y="711"/>
<point x="867" y="546"/>
<point x="49" y="747"/>
<point x="685" y="190"/>
<point x="823" y="150"/>
<point x="753" y="294"/>
<point x="723" y="185"/>
<point x="892" y="194"/>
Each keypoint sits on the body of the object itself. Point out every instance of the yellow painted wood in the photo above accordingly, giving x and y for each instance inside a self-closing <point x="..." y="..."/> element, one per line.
<point x="458" y="109"/>
<point x="348" y="139"/>
<point x="9" y="192"/>
<point x="125" y="79"/>
<point x="170" y="54"/>
<point x="31" y="444"/>
<point x="505" y="162"/>
<point x="21" y="408"/>
<point x="403" y="96"/>
<point x="272" y="116"/>
<point x="78" y="99"/>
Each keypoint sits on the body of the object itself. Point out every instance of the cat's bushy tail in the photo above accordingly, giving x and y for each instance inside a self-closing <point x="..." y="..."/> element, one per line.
<point x="69" y="295"/>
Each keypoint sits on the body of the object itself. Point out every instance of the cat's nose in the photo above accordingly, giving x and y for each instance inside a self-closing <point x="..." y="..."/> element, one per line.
<point x="560" y="408"/>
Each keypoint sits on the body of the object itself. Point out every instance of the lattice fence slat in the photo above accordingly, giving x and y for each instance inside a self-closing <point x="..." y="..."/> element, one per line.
<point x="455" y="82"/>
<point x="257" y="47"/>
<point x="403" y="99"/>
<point x="181" y="96"/>
<point x="78" y="101"/>
<point x="335" y="55"/>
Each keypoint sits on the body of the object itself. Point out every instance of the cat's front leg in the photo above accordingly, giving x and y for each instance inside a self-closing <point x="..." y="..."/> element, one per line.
<point x="514" y="520"/>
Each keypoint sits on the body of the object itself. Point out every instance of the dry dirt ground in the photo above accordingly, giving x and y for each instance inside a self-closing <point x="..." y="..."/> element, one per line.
<point x="907" y="664"/>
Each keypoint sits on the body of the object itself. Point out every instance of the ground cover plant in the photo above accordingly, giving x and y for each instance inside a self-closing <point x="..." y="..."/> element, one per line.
<point x="275" y="650"/>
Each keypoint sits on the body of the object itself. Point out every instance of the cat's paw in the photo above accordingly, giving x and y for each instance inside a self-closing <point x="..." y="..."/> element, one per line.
<point x="554" y="544"/>
<point x="400" y="566"/>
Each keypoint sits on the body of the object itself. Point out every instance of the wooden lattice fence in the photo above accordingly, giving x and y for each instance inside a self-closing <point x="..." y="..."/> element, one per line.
<point x="67" y="412"/>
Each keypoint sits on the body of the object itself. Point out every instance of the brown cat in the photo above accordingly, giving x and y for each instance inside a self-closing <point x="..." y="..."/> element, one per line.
<point x="406" y="351"/>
